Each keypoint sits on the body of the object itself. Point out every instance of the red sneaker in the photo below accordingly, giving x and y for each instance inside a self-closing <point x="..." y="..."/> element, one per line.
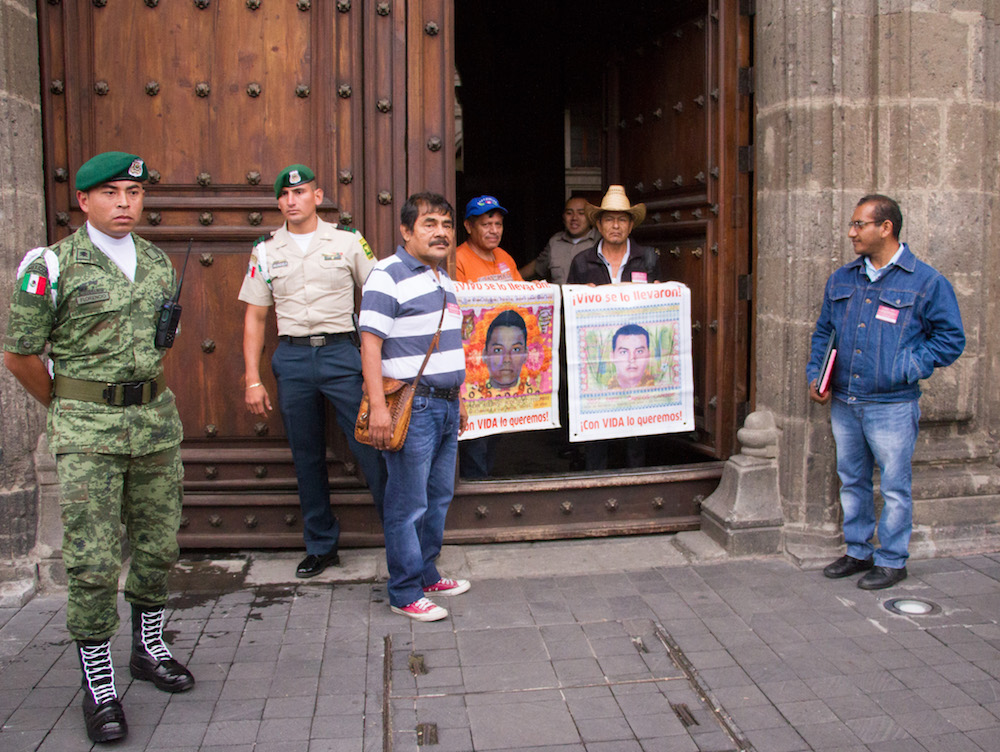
<point x="448" y="586"/>
<point x="422" y="610"/>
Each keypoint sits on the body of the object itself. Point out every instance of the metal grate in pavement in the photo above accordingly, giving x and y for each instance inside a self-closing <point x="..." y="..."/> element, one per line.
<point x="628" y="682"/>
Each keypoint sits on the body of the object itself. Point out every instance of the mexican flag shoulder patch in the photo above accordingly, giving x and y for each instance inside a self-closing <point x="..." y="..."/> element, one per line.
<point x="36" y="284"/>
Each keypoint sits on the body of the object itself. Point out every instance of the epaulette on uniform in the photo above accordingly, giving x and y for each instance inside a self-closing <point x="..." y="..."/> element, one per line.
<point x="348" y="228"/>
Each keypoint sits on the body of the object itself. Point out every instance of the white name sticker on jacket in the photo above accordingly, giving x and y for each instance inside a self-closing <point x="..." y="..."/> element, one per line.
<point x="887" y="314"/>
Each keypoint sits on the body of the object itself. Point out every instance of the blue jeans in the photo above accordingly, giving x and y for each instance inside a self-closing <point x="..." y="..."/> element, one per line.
<point x="417" y="494"/>
<point x="307" y="377"/>
<point x="867" y="433"/>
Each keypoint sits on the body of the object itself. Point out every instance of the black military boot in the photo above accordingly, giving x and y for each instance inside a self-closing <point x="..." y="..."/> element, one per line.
<point x="102" y="712"/>
<point x="151" y="660"/>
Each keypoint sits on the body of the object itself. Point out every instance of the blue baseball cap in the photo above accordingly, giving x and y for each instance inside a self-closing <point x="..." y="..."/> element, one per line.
<point x="482" y="205"/>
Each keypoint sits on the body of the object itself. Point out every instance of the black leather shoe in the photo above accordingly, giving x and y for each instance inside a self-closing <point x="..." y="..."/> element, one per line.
<point x="881" y="577"/>
<point x="846" y="565"/>
<point x="105" y="722"/>
<point x="312" y="565"/>
<point x="168" y="675"/>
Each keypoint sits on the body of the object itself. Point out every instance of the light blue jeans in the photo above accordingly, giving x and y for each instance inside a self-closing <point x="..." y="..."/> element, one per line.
<point x="419" y="489"/>
<point x="867" y="433"/>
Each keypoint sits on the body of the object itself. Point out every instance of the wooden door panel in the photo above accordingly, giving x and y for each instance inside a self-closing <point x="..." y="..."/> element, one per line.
<point x="206" y="362"/>
<point x="684" y="260"/>
<point x="663" y="123"/>
<point x="217" y="101"/>
<point x="674" y="147"/>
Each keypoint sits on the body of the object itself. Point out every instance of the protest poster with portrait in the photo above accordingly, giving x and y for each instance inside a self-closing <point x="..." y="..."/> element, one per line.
<point x="510" y="331"/>
<point x="628" y="351"/>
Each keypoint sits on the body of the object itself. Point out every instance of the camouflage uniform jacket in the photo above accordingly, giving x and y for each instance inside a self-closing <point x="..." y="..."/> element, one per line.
<point x="100" y="327"/>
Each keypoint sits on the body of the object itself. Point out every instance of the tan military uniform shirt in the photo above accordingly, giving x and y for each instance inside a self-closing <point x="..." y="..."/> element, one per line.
<point x="312" y="292"/>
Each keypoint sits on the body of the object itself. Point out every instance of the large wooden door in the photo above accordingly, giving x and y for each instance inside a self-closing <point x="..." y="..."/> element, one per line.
<point x="679" y="119"/>
<point x="218" y="97"/>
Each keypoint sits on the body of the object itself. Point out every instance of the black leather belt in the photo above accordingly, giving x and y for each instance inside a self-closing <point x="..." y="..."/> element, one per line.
<point x="423" y="390"/>
<point x="316" y="340"/>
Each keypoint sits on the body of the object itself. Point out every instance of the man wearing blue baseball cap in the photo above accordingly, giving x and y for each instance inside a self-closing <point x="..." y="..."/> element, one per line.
<point x="481" y="257"/>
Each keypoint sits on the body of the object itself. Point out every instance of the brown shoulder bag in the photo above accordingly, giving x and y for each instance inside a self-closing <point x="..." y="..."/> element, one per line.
<point x="398" y="397"/>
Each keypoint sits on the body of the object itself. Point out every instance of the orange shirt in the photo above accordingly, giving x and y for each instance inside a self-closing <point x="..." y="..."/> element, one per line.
<point x="471" y="268"/>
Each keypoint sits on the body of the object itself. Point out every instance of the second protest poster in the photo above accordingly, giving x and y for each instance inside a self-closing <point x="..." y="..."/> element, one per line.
<point x="628" y="350"/>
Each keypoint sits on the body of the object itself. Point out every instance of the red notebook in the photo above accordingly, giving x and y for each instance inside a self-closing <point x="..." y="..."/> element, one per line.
<point x="826" y="370"/>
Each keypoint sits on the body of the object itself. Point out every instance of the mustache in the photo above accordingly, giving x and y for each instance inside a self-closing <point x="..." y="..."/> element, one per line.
<point x="440" y="240"/>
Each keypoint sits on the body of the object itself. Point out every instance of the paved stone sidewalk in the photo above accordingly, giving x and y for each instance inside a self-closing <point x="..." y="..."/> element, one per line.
<point x="753" y="654"/>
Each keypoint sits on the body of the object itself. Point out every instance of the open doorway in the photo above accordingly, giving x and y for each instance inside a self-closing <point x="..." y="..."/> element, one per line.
<point x="564" y="98"/>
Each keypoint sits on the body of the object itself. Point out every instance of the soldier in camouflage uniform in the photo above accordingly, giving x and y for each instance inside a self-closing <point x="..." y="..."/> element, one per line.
<point x="308" y="270"/>
<point x="93" y="299"/>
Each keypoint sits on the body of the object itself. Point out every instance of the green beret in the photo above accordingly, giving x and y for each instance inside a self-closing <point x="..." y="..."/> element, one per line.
<point x="108" y="167"/>
<point x="295" y="174"/>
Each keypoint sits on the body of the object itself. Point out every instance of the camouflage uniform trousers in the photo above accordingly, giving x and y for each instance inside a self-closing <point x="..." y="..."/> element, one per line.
<point x="101" y="492"/>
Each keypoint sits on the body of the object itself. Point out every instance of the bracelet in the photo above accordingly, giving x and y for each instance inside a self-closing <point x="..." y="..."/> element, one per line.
<point x="251" y="386"/>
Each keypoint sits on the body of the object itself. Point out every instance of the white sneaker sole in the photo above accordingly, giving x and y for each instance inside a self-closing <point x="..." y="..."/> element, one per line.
<point x="436" y="615"/>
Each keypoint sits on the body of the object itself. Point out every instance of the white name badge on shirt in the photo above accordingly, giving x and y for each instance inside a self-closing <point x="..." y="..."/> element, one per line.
<point x="887" y="314"/>
<point x="504" y="269"/>
<point x="639" y="277"/>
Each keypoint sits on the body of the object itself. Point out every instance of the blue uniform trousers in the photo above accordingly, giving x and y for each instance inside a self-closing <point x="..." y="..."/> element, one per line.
<point x="306" y="377"/>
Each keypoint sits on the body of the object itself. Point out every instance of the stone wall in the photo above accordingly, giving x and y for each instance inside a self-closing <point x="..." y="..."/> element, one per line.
<point x="22" y="217"/>
<point x="900" y="98"/>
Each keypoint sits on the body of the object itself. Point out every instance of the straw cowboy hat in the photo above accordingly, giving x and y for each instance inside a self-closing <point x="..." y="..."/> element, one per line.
<point x="615" y="200"/>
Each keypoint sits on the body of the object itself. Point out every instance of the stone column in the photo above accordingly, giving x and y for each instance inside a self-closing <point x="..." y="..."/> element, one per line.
<point x="894" y="97"/>
<point x="22" y="214"/>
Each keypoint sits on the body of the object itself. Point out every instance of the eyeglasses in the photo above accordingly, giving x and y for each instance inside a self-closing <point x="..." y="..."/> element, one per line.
<point x="858" y="224"/>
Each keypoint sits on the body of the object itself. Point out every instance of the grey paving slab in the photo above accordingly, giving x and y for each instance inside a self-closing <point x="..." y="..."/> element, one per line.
<point x="522" y="724"/>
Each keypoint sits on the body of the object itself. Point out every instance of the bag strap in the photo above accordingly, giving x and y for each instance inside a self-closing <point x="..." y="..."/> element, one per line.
<point x="434" y="342"/>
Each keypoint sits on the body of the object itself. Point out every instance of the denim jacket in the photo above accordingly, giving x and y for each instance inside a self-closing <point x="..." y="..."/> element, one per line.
<point x="890" y="333"/>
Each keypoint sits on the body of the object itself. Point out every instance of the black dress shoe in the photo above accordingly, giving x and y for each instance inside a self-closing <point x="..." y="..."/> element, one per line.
<point x="846" y="565"/>
<point x="882" y="577"/>
<point x="312" y="565"/>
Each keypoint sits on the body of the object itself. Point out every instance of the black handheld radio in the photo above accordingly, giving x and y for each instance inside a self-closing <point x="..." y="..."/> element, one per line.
<point x="170" y="311"/>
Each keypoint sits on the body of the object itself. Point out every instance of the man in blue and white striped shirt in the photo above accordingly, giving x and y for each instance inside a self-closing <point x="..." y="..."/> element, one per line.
<point x="401" y="306"/>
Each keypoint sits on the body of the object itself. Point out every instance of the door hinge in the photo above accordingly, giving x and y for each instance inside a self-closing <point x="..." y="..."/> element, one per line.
<point x="745" y="159"/>
<point x="745" y="83"/>
<point x="744" y="287"/>
<point x="748" y="7"/>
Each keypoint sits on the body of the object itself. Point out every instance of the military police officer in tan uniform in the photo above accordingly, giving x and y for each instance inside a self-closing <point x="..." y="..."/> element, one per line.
<point x="94" y="299"/>
<point x="308" y="269"/>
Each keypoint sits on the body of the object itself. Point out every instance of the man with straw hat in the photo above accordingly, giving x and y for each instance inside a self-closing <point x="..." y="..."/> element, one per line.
<point x="615" y="259"/>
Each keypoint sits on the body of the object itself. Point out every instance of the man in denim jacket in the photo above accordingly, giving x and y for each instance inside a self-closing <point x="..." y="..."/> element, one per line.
<point x="895" y="320"/>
